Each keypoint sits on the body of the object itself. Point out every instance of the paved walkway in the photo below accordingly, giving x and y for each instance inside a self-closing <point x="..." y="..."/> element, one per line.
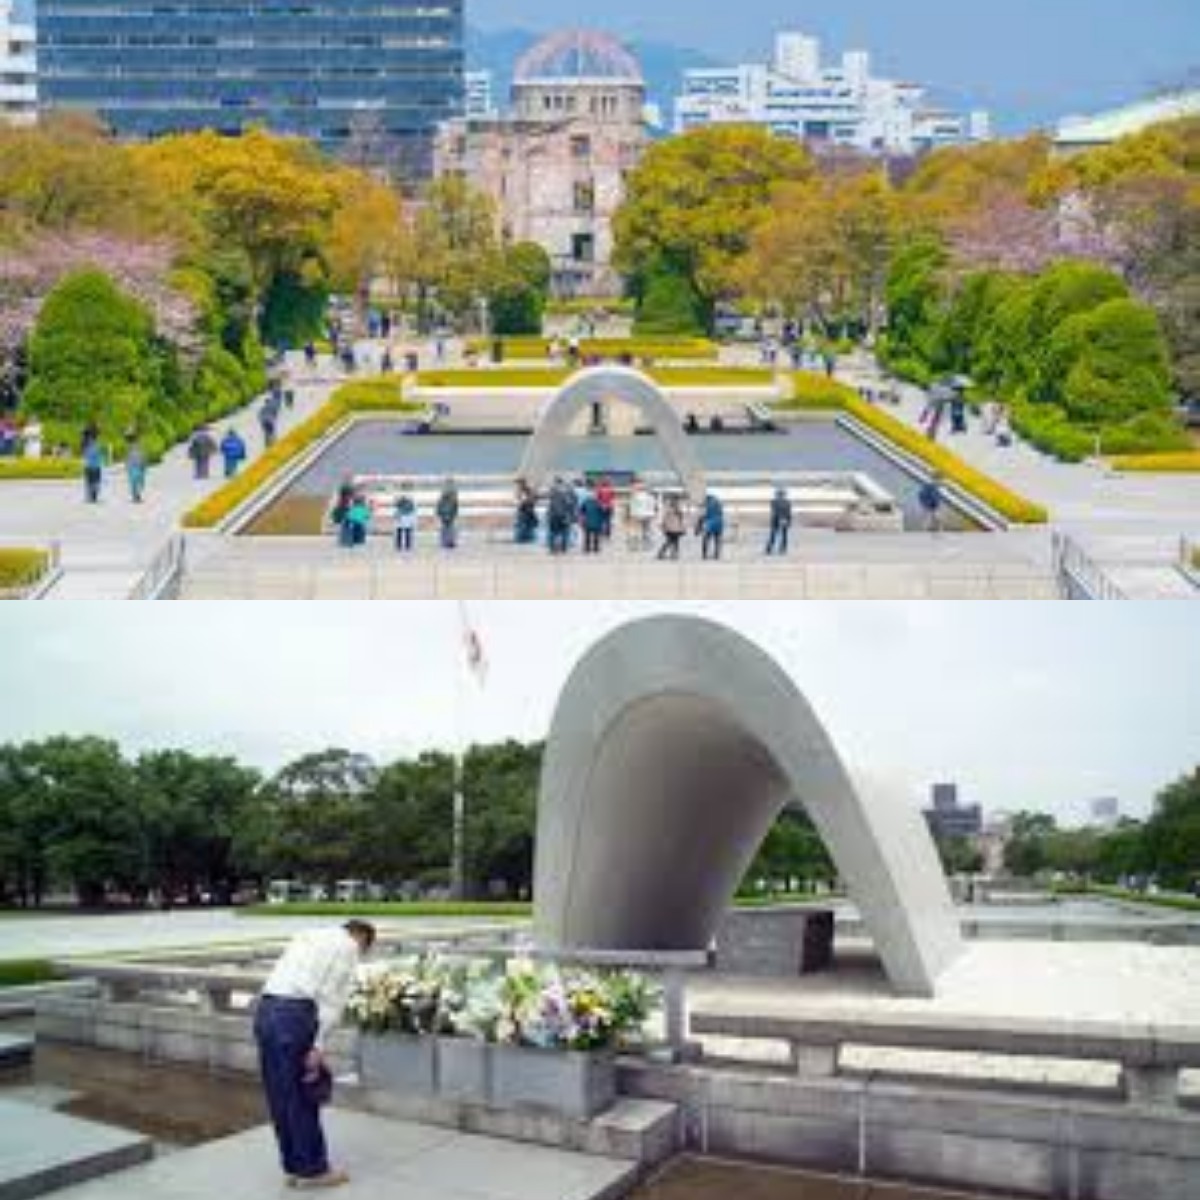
<point x="89" y="936"/>
<point x="1130" y="524"/>
<point x="387" y="1160"/>
<point x="106" y="548"/>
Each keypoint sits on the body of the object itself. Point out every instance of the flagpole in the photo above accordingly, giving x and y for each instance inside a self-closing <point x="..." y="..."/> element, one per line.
<point x="458" y="872"/>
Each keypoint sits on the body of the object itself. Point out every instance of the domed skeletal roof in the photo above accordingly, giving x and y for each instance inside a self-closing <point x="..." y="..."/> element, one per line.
<point x="576" y="54"/>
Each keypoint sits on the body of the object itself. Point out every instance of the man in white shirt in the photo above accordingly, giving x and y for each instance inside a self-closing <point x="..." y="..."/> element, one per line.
<point x="300" y="1006"/>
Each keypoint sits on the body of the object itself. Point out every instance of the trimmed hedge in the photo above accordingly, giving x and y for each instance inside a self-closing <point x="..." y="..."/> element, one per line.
<point x="378" y="395"/>
<point x="555" y="377"/>
<point x="21" y="567"/>
<point x="533" y="348"/>
<point x="22" y="972"/>
<point x="40" y="468"/>
<point x="1187" y="463"/>
<point x="815" y="393"/>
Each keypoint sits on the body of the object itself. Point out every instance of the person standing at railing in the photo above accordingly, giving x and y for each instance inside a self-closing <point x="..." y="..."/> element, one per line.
<point x="711" y="527"/>
<point x="299" y="1009"/>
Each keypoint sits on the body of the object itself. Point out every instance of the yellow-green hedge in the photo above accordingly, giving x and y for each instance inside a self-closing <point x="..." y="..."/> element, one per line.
<point x="530" y="348"/>
<point x="364" y="396"/>
<point x="20" y="567"/>
<point x="816" y="393"/>
<point x="554" y="377"/>
<point x="1186" y="463"/>
<point x="40" y="468"/>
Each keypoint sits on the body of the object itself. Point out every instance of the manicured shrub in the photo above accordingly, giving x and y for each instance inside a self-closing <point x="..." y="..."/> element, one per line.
<point x="1185" y="463"/>
<point x="20" y="567"/>
<point x="40" y="468"/>
<point x="1109" y="365"/>
<point x="93" y="358"/>
<point x="813" y="393"/>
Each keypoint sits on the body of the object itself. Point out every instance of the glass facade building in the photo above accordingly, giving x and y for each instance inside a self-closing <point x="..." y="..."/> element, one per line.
<point x="375" y="76"/>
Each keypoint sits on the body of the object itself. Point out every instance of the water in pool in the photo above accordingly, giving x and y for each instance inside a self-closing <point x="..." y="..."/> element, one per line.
<point x="383" y="448"/>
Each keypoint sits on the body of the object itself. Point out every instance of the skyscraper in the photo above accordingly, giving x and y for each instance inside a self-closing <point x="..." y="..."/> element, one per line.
<point x="18" y="69"/>
<point x="329" y="70"/>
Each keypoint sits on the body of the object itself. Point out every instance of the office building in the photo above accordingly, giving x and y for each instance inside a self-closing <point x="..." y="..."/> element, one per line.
<point x="479" y="89"/>
<point x="319" y="69"/>
<point x="555" y="164"/>
<point x="797" y="96"/>
<point x="18" y="69"/>
<point x="948" y="818"/>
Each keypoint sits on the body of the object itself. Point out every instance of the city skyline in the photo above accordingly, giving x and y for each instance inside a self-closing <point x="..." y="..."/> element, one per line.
<point x="1008" y="59"/>
<point x="913" y="694"/>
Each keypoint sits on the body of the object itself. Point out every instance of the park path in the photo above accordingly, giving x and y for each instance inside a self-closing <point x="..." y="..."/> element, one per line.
<point x="107" y="548"/>
<point x="1130" y="525"/>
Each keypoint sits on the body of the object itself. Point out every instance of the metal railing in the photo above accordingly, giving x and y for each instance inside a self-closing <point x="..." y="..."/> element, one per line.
<point x="1079" y="576"/>
<point x="162" y="577"/>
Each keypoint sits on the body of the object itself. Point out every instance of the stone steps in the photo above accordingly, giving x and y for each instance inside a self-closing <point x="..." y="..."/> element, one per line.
<point x="43" y="1151"/>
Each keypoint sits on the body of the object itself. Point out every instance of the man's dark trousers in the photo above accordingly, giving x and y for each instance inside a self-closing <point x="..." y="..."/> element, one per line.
<point x="286" y="1031"/>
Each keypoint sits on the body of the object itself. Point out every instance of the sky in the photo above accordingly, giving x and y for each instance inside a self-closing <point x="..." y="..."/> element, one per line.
<point x="1032" y="61"/>
<point x="1026" y="705"/>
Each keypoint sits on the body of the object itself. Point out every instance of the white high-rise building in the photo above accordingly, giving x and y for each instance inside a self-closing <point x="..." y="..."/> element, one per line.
<point x="480" y="95"/>
<point x="796" y="96"/>
<point x="18" y="69"/>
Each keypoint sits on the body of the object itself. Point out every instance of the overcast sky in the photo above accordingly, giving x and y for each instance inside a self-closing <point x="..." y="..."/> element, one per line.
<point x="1028" y="59"/>
<point x="1043" y="705"/>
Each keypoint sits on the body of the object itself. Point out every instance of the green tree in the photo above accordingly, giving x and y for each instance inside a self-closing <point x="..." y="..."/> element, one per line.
<point x="1172" y="835"/>
<point x="408" y="832"/>
<point x="792" y="854"/>
<point x="693" y="203"/>
<point x="520" y="292"/>
<point x="82" y="796"/>
<point x="1025" y="855"/>
<point x="191" y="810"/>
<point x="500" y="784"/>
<point x="315" y="821"/>
<point x="959" y="856"/>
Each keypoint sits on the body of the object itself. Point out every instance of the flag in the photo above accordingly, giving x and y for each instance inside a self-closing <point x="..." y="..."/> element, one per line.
<point x="477" y="661"/>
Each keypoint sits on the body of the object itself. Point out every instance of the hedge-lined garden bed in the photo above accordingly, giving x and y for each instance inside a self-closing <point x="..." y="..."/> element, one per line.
<point x="1185" y="463"/>
<point x="379" y="395"/>
<point x="536" y="348"/>
<point x="29" y="469"/>
<point x="21" y="567"/>
<point x="815" y="393"/>
<point x="554" y="377"/>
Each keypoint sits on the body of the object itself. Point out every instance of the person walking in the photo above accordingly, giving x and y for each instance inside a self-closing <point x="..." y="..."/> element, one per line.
<point x="711" y="527"/>
<point x="447" y="513"/>
<point x="93" y="466"/>
<point x="233" y="452"/>
<point x="781" y="524"/>
<point x="201" y="450"/>
<point x="406" y="520"/>
<point x="932" y="498"/>
<point x="268" y="422"/>
<point x="673" y="528"/>
<point x="300" y="1007"/>
<point x="135" y="468"/>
